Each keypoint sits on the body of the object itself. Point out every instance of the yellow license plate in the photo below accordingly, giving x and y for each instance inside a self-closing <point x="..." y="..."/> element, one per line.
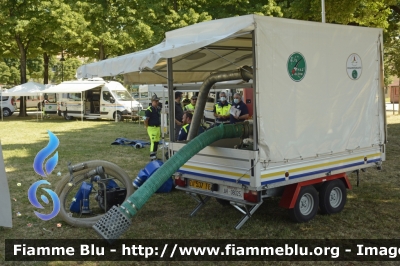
<point x="200" y="185"/>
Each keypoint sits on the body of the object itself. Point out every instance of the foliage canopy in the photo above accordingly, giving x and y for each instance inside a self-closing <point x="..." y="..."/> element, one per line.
<point x="35" y="32"/>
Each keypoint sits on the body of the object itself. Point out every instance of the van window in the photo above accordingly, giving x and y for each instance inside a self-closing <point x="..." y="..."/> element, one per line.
<point x="122" y="95"/>
<point x="73" y="96"/>
<point x="51" y="98"/>
<point x="4" y="98"/>
<point x="144" y="94"/>
<point x="106" y="96"/>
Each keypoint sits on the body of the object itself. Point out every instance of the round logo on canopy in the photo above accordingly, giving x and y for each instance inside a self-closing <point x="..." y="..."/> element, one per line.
<point x="354" y="66"/>
<point x="296" y="66"/>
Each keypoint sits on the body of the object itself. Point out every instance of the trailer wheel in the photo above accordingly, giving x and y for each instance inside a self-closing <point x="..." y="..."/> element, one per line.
<point x="306" y="206"/>
<point x="332" y="197"/>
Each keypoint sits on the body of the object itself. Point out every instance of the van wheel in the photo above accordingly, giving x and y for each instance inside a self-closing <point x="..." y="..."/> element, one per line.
<point x="119" y="116"/>
<point x="332" y="197"/>
<point x="306" y="206"/>
<point x="6" y="112"/>
<point x="67" y="117"/>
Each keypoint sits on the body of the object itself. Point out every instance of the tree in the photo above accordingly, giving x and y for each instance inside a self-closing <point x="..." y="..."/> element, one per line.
<point x="12" y="72"/>
<point x="34" y="68"/>
<point x="383" y="14"/>
<point x="58" y="34"/>
<point x="65" y="70"/>
<point x="36" y="26"/>
<point x="392" y="43"/>
<point x="5" y="73"/>
<point x="230" y="8"/>
<point x="113" y="29"/>
<point x="17" y="28"/>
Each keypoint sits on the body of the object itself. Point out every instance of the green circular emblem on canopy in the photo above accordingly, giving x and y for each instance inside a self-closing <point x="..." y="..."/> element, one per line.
<point x="354" y="66"/>
<point x="296" y="66"/>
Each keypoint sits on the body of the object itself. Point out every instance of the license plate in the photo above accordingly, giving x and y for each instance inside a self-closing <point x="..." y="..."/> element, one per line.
<point x="200" y="185"/>
<point x="232" y="192"/>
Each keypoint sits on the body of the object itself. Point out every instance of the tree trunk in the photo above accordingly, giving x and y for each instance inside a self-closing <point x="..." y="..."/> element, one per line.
<point x="102" y="53"/>
<point x="46" y="68"/>
<point x="22" y="52"/>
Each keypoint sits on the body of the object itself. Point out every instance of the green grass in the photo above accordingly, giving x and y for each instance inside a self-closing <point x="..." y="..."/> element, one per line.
<point x="371" y="210"/>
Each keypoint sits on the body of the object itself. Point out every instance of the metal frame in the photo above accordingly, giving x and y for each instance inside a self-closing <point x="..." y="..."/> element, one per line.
<point x="246" y="208"/>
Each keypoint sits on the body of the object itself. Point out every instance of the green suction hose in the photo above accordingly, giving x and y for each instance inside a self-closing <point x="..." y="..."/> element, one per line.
<point x="117" y="220"/>
<point x="141" y="196"/>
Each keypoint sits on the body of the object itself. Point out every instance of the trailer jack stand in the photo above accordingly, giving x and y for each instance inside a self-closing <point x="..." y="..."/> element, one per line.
<point x="201" y="202"/>
<point x="246" y="211"/>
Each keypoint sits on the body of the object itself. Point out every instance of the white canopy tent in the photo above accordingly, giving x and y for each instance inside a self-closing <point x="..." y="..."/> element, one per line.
<point x="27" y="89"/>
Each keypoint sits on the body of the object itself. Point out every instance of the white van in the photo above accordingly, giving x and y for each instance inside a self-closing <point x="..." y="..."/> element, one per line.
<point x="49" y="100"/>
<point x="8" y="105"/>
<point x="146" y="92"/>
<point x="95" y="98"/>
<point x="31" y="102"/>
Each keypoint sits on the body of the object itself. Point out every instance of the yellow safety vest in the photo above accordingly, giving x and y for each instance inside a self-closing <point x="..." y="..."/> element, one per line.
<point x="222" y="110"/>
<point x="189" y="107"/>
<point x="185" y="127"/>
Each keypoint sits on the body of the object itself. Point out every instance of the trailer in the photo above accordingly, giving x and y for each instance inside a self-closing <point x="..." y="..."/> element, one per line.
<point x="318" y="111"/>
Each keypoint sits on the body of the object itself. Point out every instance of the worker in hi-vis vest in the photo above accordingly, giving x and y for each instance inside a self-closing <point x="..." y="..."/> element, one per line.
<point x="152" y="124"/>
<point x="190" y="107"/>
<point x="221" y="109"/>
<point x="186" y="120"/>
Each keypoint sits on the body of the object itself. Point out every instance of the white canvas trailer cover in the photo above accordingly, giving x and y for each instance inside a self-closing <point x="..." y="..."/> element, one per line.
<point x="297" y="119"/>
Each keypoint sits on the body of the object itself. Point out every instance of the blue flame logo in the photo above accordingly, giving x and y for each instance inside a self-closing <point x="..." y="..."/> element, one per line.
<point x="32" y="198"/>
<point x="44" y="153"/>
<point x="49" y="167"/>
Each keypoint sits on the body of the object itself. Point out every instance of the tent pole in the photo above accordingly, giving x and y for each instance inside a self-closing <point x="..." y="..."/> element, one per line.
<point x="163" y="125"/>
<point x="1" y="101"/>
<point x="82" y="105"/>
<point x="37" y="109"/>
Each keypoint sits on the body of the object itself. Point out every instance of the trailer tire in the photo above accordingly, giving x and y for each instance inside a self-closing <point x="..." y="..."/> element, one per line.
<point x="332" y="197"/>
<point x="223" y="202"/>
<point x="63" y="189"/>
<point x="306" y="206"/>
